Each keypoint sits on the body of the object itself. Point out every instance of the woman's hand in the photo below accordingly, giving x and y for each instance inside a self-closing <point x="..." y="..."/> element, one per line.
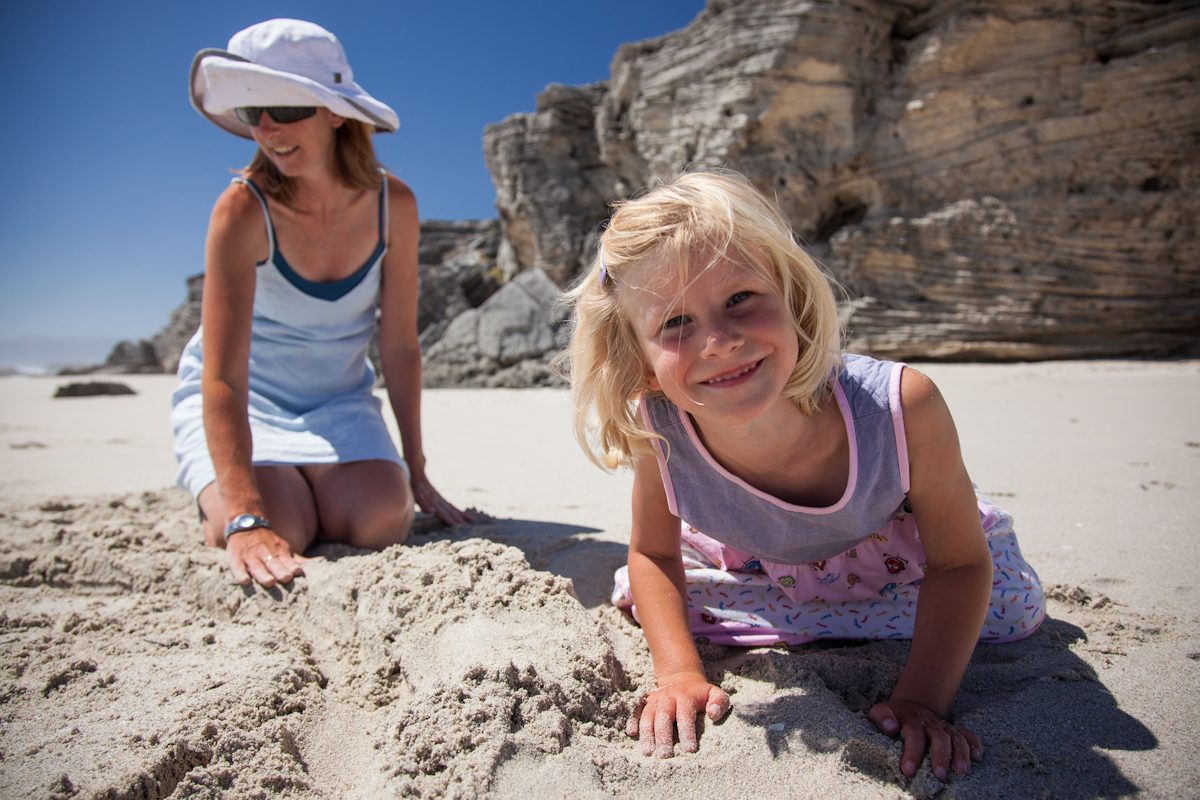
<point x="431" y="502"/>
<point x="675" y="704"/>
<point x="920" y="727"/>
<point x="264" y="555"/>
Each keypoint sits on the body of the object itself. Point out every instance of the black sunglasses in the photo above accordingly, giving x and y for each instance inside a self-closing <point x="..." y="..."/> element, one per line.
<point x="252" y="115"/>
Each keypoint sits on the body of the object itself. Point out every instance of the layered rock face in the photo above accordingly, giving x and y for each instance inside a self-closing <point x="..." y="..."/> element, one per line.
<point x="1009" y="180"/>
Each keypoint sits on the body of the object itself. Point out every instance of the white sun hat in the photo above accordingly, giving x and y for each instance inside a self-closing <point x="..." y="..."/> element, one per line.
<point x="281" y="62"/>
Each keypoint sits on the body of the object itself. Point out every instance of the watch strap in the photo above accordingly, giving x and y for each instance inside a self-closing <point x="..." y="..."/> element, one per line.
<point x="246" y="522"/>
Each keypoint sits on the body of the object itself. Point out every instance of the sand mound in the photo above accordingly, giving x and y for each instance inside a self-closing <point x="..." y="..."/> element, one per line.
<point x="133" y="668"/>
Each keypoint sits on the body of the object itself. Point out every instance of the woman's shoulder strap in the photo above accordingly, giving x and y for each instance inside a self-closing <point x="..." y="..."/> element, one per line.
<point x="262" y="201"/>
<point x="384" y="219"/>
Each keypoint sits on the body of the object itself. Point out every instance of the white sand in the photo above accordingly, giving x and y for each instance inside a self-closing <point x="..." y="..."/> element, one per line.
<point x="131" y="667"/>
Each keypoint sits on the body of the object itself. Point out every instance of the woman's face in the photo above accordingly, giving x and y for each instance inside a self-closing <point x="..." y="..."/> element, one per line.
<point x="296" y="148"/>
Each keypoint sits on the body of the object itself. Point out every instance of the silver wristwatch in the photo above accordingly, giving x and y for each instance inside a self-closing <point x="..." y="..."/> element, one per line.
<point x="245" y="522"/>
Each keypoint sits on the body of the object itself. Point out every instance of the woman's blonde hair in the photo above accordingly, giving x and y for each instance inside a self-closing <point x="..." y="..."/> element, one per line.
<point x="357" y="166"/>
<point x="723" y="213"/>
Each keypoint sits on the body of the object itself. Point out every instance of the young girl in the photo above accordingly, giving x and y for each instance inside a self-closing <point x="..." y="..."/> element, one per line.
<point x="779" y="485"/>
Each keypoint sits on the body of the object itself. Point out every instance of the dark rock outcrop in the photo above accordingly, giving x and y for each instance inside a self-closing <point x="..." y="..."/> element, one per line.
<point x="132" y="357"/>
<point x="92" y="389"/>
<point x="988" y="181"/>
<point x="185" y="320"/>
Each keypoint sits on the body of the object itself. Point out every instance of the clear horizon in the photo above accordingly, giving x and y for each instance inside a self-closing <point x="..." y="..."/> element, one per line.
<point x="111" y="173"/>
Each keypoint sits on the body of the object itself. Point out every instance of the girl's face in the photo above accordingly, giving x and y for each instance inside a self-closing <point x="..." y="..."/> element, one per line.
<point x="297" y="147"/>
<point x="721" y="344"/>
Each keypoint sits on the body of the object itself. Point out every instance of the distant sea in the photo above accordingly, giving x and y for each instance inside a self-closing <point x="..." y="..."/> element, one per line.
<point x="46" y="355"/>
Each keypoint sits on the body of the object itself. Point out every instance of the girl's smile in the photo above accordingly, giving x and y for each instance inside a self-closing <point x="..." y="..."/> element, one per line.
<point x="734" y="377"/>
<point x="722" y="345"/>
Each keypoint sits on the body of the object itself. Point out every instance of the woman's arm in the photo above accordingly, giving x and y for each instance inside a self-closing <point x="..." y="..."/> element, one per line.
<point x="660" y="593"/>
<point x="236" y="241"/>
<point x="399" y="350"/>
<point x="954" y="591"/>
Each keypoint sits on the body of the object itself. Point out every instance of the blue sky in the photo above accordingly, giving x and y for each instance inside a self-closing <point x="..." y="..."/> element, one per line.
<point x="109" y="174"/>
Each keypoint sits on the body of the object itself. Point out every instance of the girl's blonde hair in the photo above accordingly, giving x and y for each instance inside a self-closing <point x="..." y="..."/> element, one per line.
<point x="357" y="166"/>
<point x="722" y="213"/>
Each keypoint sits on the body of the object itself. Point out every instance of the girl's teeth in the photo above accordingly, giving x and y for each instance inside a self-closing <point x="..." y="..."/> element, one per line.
<point x="282" y="151"/>
<point x="731" y="377"/>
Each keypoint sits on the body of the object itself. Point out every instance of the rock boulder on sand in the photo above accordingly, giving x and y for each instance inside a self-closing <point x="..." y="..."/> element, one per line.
<point x="507" y="341"/>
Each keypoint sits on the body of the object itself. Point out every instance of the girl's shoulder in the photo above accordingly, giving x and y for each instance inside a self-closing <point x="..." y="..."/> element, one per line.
<point x="870" y="385"/>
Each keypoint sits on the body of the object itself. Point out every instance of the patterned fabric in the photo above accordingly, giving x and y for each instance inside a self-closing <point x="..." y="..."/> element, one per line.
<point x="727" y="508"/>
<point x="867" y="592"/>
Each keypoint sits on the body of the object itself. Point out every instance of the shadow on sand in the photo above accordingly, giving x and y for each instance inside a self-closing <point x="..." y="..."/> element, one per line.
<point x="1043" y="714"/>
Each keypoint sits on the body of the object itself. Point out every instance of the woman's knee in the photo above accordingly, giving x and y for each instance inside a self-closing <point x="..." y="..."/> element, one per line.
<point x="381" y="524"/>
<point x="364" y="504"/>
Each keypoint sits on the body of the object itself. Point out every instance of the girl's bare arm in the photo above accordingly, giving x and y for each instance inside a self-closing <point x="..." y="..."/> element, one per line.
<point x="954" y="591"/>
<point x="659" y="591"/>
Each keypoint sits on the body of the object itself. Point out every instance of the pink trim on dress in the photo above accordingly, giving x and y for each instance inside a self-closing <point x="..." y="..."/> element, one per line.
<point x="898" y="424"/>
<point x="847" y="417"/>
<point x="662" y="460"/>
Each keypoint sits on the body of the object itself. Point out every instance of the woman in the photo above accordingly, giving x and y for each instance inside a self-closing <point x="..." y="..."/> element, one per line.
<point x="277" y="433"/>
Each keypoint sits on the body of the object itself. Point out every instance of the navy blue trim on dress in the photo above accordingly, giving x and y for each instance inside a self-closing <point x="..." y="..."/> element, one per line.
<point x="328" y="290"/>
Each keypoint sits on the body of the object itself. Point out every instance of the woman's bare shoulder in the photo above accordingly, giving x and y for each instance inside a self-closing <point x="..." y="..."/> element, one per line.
<point x="399" y="193"/>
<point x="238" y="201"/>
<point x="237" y="221"/>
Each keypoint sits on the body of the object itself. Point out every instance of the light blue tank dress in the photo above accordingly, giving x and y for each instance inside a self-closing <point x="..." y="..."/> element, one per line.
<point x="311" y="382"/>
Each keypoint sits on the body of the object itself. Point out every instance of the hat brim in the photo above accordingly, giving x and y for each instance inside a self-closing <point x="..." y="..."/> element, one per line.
<point x="221" y="82"/>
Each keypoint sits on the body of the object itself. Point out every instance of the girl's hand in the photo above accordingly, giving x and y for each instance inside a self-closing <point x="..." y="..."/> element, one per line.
<point x="919" y="726"/>
<point x="264" y="555"/>
<point x="431" y="502"/>
<point x="675" y="703"/>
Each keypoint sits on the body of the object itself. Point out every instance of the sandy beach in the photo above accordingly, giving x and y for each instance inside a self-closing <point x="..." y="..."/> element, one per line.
<point x="486" y="661"/>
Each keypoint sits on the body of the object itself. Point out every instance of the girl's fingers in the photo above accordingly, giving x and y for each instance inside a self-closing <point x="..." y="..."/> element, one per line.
<point x="718" y="704"/>
<point x="631" y="726"/>
<point x="962" y="753"/>
<point x="975" y="744"/>
<point x="914" y="748"/>
<point x="940" y="751"/>
<point x="664" y="729"/>
<point x="685" y="718"/>
<point x="884" y="719"/>
<point x="646" y="729"/>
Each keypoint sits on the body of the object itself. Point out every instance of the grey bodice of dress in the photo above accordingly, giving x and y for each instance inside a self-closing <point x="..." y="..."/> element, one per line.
<point x="718" y="503"/>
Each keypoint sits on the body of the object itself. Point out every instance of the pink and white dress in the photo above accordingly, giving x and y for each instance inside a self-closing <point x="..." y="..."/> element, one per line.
<point x="761" y="571"/>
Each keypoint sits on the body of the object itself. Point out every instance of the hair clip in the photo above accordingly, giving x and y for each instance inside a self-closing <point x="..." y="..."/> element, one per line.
<point x="603" y="273"/>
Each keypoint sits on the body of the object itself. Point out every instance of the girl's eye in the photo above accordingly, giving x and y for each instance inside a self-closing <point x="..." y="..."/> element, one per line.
<point x="674" y="322"/>
<point x="739" y="297"/>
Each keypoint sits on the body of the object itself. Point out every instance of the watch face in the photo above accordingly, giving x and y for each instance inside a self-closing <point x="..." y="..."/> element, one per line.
<point x="245" y="522"/>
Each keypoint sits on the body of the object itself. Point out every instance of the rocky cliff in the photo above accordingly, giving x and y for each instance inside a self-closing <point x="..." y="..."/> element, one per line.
<point x="987" y="180"/>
